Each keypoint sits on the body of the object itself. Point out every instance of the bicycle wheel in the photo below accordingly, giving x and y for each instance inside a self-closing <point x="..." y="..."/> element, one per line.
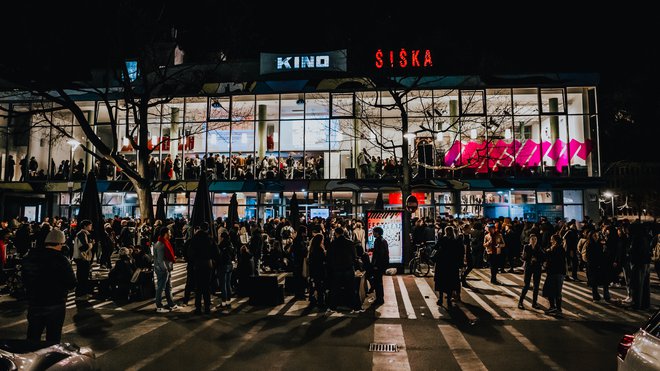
<point x="424" y="267"/>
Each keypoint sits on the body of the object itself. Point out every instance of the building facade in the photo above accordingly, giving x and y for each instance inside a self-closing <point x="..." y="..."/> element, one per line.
<point x="519" y="146"/>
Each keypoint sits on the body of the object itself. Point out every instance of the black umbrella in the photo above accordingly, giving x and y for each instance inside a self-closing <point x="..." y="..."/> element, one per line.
<point x="379" y="204"/>
<point x="294" y="213"/>
<point x="160" y="208"/>
<point x="90" y="205"/>
<point x="202" y="211"/>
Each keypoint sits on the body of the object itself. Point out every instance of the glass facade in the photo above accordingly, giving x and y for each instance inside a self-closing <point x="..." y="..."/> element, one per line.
<point x="454" y="133"/>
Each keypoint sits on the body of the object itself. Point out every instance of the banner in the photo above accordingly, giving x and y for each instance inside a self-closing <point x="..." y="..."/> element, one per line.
<point x="392" y="224"/>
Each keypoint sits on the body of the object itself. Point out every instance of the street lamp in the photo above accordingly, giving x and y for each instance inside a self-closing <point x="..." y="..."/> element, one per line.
<point x="611" y="196"/>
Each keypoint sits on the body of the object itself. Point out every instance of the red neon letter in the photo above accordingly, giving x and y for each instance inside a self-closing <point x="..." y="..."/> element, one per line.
<point x="403" y="62"/>
<point x="379" y="58"/>
<point x="427" y="58"/>
<point x="392" y="58"/>
<point x="414" y="59"/>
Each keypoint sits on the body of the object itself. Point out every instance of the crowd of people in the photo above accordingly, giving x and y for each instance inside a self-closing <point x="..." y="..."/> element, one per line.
<point x="215" y="166"/>
<point x="323" y="255"/>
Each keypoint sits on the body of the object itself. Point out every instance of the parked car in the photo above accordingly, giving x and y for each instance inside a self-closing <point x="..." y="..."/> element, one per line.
<point x="27" y="355"/>
<point x="641" y="350"/>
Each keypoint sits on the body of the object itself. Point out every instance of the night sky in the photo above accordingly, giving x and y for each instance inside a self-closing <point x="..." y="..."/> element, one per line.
<point x="619" y="43"/>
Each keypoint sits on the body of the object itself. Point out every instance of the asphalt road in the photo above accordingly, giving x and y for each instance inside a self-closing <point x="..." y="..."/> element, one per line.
<point x="485" y="331"/>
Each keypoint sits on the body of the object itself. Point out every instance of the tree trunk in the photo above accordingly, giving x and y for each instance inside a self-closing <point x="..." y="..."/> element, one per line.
<point x="405" y="186"/>
<point x="145" y="200"/>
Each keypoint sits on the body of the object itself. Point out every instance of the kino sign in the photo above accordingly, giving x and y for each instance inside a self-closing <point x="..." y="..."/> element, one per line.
<point x="325" y="61"/>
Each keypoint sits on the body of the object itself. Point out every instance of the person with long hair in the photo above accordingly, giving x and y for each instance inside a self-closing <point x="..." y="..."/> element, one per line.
<point x="163" y="266"/>
<point x="317" y="270"/>
<point x="533" y="257"/>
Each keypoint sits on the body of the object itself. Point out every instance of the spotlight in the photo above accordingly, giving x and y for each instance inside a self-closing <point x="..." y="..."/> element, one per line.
<point x="216" y="104"/>
<point x="300" y="101"/>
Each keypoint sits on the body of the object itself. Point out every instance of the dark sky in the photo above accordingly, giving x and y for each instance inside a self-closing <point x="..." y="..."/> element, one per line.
<point x="467" y="37"/>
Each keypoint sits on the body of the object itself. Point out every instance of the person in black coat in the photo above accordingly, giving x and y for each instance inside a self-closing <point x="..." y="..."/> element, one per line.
<point x="448" y="262"/>
<point x="380" y="260"/>
<point x="341" y="267"/>
<point x="203" y="254"/>
<point x="555" y="272"/>
<point x="533" y="257"/>
<point x="640" y="259"/>
<point x="48" y="278"/>
<point x="9" y="169"/>
<point x="596" y="270"/>
<point x="299" y="252"/>
<point x="120" y="276"/>
<point x="317" y="270"/>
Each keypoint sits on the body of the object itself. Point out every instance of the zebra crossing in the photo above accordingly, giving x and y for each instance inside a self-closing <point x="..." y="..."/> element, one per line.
<point x="413" y="298"/>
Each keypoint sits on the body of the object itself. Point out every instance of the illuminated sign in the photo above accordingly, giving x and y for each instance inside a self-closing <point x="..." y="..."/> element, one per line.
<point x="392" y="224"/>
<point x="323" y="61"/>
<point x="404" y="58"/>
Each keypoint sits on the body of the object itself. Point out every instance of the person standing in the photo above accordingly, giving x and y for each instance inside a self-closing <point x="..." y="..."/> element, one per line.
<point x="341" y="264"/>
<point x="48" y="277"/>
<point x="493" y="243"/>
<point x="9" y="169"/>
<point x="317" y="270"/>
<point x="299" y="252"/>
<point x="226" y="266"/>
<point x="596" y="272"/>
<point x="380" y="260"/>
<point x="555" y="271"/>
<point x="533" y="257"/>
<point x="571" y="239"/>
<point x="203" y="254"/>
<point x="640" y="260"/>
<point x="163" y="265"/>
<point x="448" y="260"/>
<point x="82" y="255"/>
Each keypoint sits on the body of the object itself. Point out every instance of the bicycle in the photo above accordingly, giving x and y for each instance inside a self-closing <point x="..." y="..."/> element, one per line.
<point x="421" y="264"/>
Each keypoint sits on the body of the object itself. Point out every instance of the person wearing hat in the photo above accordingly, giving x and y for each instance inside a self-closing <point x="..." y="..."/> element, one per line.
<point x="48" y="278"/>
<point x="380" y="260"/>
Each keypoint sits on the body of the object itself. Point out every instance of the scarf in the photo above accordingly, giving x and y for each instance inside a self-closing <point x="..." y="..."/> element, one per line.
<point x="169" y="250"/>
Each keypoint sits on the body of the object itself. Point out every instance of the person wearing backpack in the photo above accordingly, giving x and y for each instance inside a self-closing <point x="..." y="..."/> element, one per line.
<point x="82" y="255"/>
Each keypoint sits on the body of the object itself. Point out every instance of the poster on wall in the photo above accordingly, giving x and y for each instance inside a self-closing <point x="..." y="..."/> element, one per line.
<point x="391" y="222"/>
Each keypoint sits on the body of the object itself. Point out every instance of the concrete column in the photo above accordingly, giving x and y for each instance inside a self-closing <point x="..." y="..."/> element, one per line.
<point x="174" y="132"/>
<point x="261" y="132"/>
<point x="554" y="120"/>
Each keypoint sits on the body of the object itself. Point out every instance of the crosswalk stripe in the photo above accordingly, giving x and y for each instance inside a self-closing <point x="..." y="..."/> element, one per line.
<point x="538" y="314"/>
<point x="173" y="345"/>
<point x="128" y="334"/>
<point x="485" y="306"/>
<point x="508" y="302"/>
<point x="429" y="297"/>
<point x="579" y="294"/>
<point x="396" y="361"/>
<point x="235" y="346"/>
<point x="278" y="308"/>
<point x="463" y="353"/>
<point x="297" y="308"/>
<point x="390" y="309"/>
<point x="410" y="312"/>
<point x="532" y="348"/>
<point x="574" y="300"/>
<point x="73" y="325"/>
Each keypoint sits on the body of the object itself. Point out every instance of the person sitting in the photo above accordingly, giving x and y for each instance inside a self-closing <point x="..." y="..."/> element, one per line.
<point x="120" y="276"/>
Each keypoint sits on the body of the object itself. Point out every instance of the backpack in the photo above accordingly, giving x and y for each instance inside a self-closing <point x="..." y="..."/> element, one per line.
<point x="655" y="257"/>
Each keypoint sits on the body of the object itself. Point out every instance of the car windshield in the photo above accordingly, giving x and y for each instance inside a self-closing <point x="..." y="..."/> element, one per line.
<point x="653" y="325"/>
